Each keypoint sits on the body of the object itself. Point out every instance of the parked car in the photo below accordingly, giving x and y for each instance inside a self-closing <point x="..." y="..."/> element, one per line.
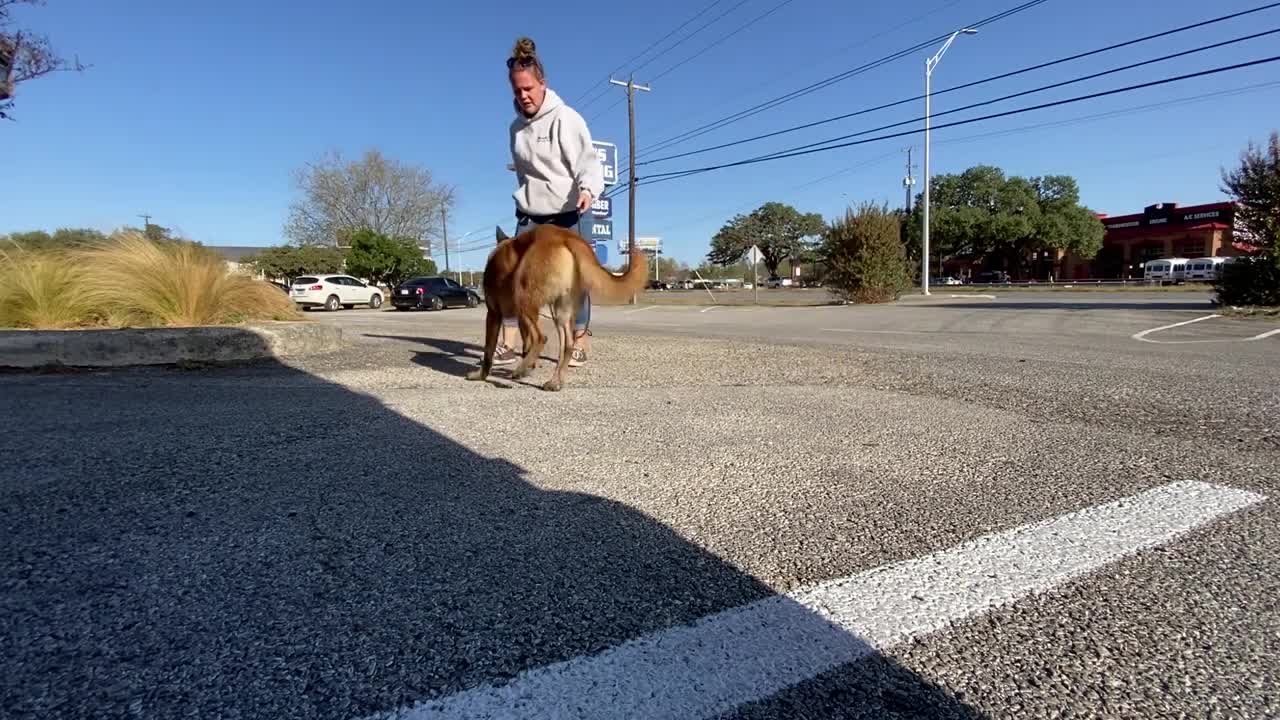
<point x="332" y="291"/>
<point x="435" y="293"/>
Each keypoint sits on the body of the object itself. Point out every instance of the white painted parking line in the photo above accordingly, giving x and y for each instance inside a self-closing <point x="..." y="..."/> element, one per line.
<point x="1142" y="335"/>
<point x="989" y="297"/>
<point x="629" y="312"/>
<point x="709" y="309"/>
<point x="748" y="653"/>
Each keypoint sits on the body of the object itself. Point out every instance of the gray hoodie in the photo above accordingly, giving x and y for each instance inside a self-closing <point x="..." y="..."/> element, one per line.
<point x="553" y="157"/>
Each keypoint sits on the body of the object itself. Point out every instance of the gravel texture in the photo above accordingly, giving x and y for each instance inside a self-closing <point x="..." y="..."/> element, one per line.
<point x="349" y="533"/>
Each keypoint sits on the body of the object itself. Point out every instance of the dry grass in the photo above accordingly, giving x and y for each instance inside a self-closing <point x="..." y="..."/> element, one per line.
<point x="131" y="281"/>
<point x="41" y="291"/>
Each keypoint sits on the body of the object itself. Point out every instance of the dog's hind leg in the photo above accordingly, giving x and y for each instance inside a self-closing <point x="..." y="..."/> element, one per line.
<point x="562" y="313"/>
<point x="533" y="339"/>
<point x="492" y="324"/>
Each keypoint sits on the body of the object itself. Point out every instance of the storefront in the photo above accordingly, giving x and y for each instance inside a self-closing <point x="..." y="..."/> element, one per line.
<point x="1159" y="231"/>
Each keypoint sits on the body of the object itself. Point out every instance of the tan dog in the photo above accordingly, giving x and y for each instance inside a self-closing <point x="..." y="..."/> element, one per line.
<point x="547" y="265"/>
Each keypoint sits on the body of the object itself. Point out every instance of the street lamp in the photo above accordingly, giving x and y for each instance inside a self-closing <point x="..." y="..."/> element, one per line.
<point x="929" y="65"/>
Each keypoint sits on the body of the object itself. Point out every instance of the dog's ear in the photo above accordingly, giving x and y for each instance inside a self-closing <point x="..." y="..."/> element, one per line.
<point x="499" y="234"/>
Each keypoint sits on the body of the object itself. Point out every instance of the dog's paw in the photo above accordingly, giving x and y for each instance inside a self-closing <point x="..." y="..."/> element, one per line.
<point x="552" y="385"/>
<point x="519" y="372"/>
<point x="476" y="374"/>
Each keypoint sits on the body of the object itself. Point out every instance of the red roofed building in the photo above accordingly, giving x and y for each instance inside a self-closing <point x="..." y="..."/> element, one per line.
<point x="1159" y="231"/>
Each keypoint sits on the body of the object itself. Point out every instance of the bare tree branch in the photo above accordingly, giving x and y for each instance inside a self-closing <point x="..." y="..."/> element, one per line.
<point x="25" y="56"/>
<point x="387" y="197"/>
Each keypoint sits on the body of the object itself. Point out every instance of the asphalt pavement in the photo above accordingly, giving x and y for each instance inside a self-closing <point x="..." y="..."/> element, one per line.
<point x="934" y="509"/>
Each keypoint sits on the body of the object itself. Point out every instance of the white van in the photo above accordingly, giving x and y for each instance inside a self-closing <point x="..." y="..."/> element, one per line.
<point x="1205" y="269"/>
<point x="1165" y="270"/>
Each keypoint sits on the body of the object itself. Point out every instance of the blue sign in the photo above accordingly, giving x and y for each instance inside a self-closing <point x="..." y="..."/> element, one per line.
<point x="608" y="154"/>
<point x="602" y="207"/>
<point x="602" y="252"/>
<point x="601" y="230"/>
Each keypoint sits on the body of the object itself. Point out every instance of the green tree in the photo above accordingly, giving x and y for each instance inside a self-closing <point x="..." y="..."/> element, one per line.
<point x="287" y="262"/>
<point x="669" y="268"/>
<point x="386" y="260"/>
<point x="780" y="231"/>
<point x="984" y="214"/>
<point x="77" y="237"/>
<point x="709" y="271"/>
<point x="33" y="240"/>
<point x="1254" y="186"/>
<point x="24" y="56"/>
<point x="864" y="256"/>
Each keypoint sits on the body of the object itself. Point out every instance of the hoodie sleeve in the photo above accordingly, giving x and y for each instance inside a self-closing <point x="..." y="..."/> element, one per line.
<point x="581" y="155"/>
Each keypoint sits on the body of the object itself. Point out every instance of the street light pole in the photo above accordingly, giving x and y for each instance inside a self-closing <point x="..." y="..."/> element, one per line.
<point x="929" y="66"/>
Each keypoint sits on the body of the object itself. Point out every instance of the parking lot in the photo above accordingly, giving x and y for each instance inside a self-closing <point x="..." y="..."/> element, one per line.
<point x="1016" y="505"/>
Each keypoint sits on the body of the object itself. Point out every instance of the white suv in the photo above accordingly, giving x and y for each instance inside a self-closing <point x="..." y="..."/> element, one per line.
<point x="334" y="291"/>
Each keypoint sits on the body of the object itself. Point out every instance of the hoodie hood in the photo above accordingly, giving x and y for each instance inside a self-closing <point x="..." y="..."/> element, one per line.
<point x="550" y="103"/>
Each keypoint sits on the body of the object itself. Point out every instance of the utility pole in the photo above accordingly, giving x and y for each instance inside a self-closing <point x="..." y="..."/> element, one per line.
<point x="631" y="87"/>
<point x="444" y="228"/>
<point x="146" y="222"/>
<point x="908" y="181"/>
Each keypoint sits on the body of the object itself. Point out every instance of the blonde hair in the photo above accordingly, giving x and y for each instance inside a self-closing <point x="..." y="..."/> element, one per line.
<point x="525" y="55"/>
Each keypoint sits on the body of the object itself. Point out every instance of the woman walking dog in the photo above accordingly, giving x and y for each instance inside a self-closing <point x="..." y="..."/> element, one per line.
<point x="557" y="171"/>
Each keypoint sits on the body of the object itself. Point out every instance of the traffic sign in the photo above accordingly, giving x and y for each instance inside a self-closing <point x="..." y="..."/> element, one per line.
<point x="608" y="154"/>
<point x="602" y="207"/>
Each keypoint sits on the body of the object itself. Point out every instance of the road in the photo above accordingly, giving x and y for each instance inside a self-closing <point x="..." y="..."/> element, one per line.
<point x="957" y="508"/>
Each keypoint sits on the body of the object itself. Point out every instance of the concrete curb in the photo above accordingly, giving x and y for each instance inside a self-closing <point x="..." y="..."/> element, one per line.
<point x="34" y="349"/>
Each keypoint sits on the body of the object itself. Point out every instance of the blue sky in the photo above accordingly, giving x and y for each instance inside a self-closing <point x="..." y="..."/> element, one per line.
<point x="198" y="113"/>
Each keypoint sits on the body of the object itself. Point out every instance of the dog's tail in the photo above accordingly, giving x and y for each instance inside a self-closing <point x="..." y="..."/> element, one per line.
<point x="603" y="285"/>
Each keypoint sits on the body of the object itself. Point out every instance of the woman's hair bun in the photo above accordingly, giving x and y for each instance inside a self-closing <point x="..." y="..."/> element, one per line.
<point x="524" y="48"/>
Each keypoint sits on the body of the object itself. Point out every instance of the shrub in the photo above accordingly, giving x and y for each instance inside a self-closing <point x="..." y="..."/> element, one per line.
<point x="1250" y="280"/>
<point x="865" y="259"/>
<point x="41" y="290"/>
<point x="142" y="282"/>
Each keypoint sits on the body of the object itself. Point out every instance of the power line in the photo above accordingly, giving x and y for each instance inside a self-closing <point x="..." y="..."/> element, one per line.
<point x="790" y="154"/>
<point x="725" y="37"/>
<point x="722" y="38"/>
<point x="678" y="43"/>
<point x="1056" y="85"/>
<point x="788" y="97"/>
<point x="652" y="45"/>
<point x="825" y="57"/>
<point x="1111" y="113"/>
<point x="993" y="78"/>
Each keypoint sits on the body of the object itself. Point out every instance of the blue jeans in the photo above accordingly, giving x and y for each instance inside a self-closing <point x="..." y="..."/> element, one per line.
<point x="582" y="318"/>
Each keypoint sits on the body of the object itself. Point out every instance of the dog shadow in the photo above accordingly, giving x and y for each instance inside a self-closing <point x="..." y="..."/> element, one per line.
<point x="457" y="358"/>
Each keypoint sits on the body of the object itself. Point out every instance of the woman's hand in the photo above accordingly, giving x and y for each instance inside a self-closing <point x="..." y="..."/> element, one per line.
<point x="584" y="201"/>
